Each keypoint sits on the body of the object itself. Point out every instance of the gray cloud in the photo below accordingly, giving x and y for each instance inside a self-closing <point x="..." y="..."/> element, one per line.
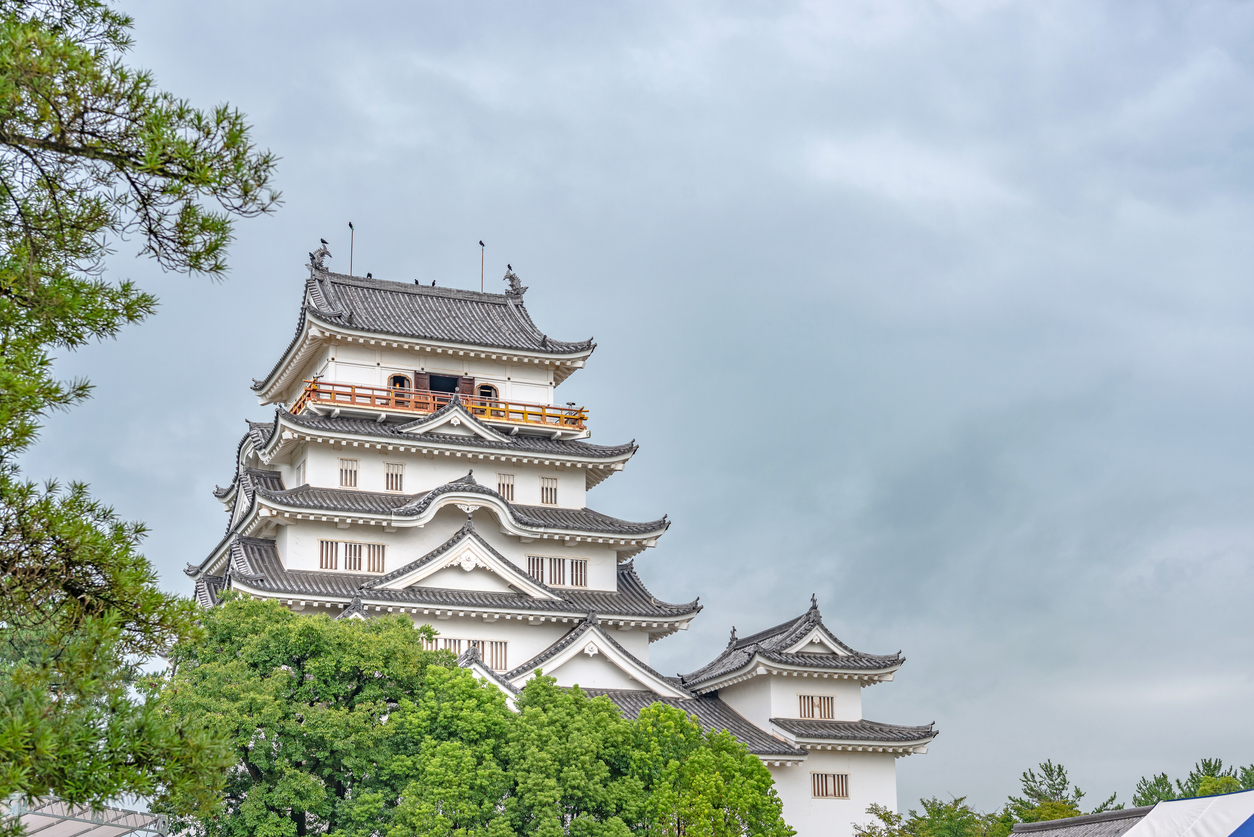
<point x="940" y="310"/>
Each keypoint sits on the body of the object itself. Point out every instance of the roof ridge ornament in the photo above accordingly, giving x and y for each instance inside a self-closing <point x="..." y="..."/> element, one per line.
<point x="316" y="257"/>
<point x="516" y="288"/>
<point x="814" y="603"/>
<point x="732" y="639"/>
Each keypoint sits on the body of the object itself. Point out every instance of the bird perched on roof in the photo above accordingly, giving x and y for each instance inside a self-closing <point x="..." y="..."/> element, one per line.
<point x="433" y="283"/>
<point x="324" y="242"/>
<point x="570" y="403"/>
<point x="369" y="275"/>
<point x="481" y="244"/>
<point x="509" y="267"/>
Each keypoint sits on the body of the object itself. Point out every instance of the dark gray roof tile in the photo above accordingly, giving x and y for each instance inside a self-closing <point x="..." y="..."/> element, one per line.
<point x="854" y="730"/>
<point x="1105" y="824"/>
<point x="711" y="714"/>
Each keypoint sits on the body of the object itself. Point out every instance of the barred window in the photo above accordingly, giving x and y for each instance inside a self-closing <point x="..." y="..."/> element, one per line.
<point x="328" y="555"/>
<point x="829" y="785"/>
<point x="348" y="473"/>
<point x="557" y="571"/>
<point x="374" y="557"/>
<point x="494" y="653"/>
<point x="505" y="486"/>
<point x="535" y="567"/>
<point x="394" y="474"/>
<point x="548" y="491"/>
<point x="495" y="658"/>
<point x="454" y="645"/>
<point x="818" y="706"/>
<point x="578" y="572"/>
<point x="352" y="557"/>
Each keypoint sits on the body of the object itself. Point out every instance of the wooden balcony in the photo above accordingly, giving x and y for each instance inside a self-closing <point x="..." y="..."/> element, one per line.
<point x="421" y="401"/>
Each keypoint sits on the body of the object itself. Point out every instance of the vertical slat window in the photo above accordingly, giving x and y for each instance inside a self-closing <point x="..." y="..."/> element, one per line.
<point x="505" y="486"/>
<point x="352" y="557"/>
<point x="818" y="706"/>
<point x="374" y="557"/>
<point x="578" y="572"/>
<point x="495" y="658"/>
<point x="535" y="567"/>
<point x="454" y="645"/>
<point x="548" y="491"/>
<point x="829" y="785"/>
<point x="328" y="554"/>
<point x="394" y="476"/>
<point x="557" y="571"/>
<point x="348" y="473"/>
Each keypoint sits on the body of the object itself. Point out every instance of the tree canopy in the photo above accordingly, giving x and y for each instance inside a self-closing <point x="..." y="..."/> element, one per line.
<point x="92" y="153"/>
<point x="352" y="728"/>
<point x="1208" y="777"/>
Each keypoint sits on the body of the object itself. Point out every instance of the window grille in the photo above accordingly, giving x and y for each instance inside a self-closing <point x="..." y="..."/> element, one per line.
<point x="454" y="645"/>
<point x="494" y="653"/>
<point x="557" y="571"/>
<point x="818" y="706"/>
<point x="352" y="557"/>
<point x="829" y="785"/>
<point x="505" y="486"/>
<point x="495" y="658"/>
<point x="348" y="473"/>
<point x="535" y="567"/>
<point x="548" y="491"/>
<point x="374" y="557"/>
<point x="328" y="554"/>
<point x="395" y="476"/>
<point x="578" y="572"/>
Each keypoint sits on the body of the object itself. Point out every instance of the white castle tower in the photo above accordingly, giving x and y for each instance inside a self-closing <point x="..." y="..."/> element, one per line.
<point x="418" y="463"/>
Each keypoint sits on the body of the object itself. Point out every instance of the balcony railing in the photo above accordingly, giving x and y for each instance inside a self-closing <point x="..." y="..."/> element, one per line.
<point x="427" y="401"/>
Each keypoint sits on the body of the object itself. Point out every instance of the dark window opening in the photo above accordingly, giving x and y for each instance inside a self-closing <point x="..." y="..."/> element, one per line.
<point x="399" y="382"/>
<point x="444" y="383"/>
<point x="487" y="391"/>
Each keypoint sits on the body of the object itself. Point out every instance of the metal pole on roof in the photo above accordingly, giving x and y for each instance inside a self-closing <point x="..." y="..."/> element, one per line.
<point x="481" y="265"/>
<point x="352" y="233"/>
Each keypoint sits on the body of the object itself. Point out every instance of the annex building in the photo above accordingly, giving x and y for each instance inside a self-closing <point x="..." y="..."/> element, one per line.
<point x="418" y="462"/>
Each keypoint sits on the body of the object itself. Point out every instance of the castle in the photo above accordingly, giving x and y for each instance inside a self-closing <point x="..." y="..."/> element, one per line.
<point x="418" y="463"/>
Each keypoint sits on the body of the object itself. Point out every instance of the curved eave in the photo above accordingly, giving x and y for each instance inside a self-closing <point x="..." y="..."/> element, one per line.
<point x="760" y="666"/>
<point x="509" y="524"/>
<point x="378" y="606"/>
<point x="895" y="748"/>
<point x="316" y="330"/>
<point x="597" y="468"/>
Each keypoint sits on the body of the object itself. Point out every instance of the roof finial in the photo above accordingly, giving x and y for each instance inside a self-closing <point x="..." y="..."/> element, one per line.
<point x="516" y="288"/>
<point x="316" y="257"/>
<point x="732" y="640"/>
<point x="814" y="602"/>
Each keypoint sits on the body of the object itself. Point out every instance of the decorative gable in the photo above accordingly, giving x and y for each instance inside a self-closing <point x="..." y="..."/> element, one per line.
<point x="817" y="641"/>
<point x="453" y="419"/>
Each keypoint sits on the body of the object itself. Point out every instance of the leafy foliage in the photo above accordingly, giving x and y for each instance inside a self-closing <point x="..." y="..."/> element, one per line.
<point x="1208" y="777"/>
<point x="939" y="818"/>
<point x="351" y="728"/>
<point x="92" y="151"/>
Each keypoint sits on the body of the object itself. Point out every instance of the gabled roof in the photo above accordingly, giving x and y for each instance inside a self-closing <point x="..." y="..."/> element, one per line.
<point x="779" y="645"/>
<point x="423" y="313"/>
<point x="473" y="660"/>
<point x="711" y="714"/>
<point x="863" y="731"/>
<point x="453" y="413"/>
<point x="590" y="632"/>
<point x="255" y="564"/>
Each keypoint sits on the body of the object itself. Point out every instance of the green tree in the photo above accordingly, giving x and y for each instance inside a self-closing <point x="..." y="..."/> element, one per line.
<point x="939" y="818"/>
<point x="91" y="152"/>
<point x="351" y="728"/>
<point x="1207" y="778"/>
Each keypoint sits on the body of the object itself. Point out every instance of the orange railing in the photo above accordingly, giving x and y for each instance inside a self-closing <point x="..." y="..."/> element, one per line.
<point x="427" y="401"/>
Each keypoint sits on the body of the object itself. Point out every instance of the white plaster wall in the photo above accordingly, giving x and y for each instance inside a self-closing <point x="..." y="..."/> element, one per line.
<point x="634" y="640"/>
<point x="592" y="672"/>
<point x="298" y="544"/>
<point x="785" y="692"/>
<point x="525" y="640"/>
<point x="751" y="698"/>
<point x="423" y="473"/>
<point x="872" y="779"/>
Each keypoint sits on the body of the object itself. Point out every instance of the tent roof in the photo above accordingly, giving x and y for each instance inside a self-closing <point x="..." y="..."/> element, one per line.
<point x="54" y="818"/>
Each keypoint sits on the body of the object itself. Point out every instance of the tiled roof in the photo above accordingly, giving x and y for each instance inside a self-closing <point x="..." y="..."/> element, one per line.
<point x="413" y="505"/>
<point x="523" y="443"/>
<point x="771" y="644"/>
<point x="711" y="714"/>
<point x="423" y="312"/>
<point x="589" y="624"/>
<point x="1105" y="824"/>
<point x="471" y="656"/>
<point x="854" y="730"/>
<point x="257" y="563"/>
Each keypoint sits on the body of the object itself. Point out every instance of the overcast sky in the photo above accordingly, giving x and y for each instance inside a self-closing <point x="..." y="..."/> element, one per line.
<point x="940" y="310"/>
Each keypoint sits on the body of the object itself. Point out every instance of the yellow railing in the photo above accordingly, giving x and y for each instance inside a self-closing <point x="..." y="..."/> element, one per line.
<point x="427" y="401"/>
